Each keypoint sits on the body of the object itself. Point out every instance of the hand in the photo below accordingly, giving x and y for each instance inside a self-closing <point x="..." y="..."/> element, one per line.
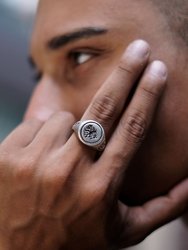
<point x="55" y="193"/>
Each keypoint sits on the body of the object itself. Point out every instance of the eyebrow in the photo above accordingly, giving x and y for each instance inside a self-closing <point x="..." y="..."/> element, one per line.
<point x="83" y="33"/>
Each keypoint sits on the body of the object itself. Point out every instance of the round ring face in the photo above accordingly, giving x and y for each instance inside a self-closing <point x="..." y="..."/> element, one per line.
<point x="91" y="133"/>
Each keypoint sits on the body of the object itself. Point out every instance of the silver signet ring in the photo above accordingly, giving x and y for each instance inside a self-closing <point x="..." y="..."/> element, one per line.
<point x="90" y="133"/>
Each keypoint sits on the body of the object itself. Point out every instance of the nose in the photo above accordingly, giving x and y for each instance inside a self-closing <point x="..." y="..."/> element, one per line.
<point x="46" y="100"/>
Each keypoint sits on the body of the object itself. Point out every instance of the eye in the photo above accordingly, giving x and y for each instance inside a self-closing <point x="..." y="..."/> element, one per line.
<point x="79" y="57"/>
<point x="83" y="57"/>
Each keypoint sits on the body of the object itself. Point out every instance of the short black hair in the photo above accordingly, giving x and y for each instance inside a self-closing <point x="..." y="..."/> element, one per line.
<point x="176" y="14"/>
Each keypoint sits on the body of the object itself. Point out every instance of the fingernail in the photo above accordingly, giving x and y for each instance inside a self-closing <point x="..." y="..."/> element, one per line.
<point x="139" y="47"/>
<point x="159" y="68"/>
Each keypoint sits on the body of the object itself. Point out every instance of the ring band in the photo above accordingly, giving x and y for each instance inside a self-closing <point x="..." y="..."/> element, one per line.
<point x="90" y="133"/>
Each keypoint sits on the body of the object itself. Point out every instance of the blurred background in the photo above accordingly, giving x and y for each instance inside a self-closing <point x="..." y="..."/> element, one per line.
<point x="16" y="85"/>
<point x="16" y="18"/>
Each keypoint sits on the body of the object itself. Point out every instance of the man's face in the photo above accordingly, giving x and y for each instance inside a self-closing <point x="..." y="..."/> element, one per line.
<point x="77" y="44"/>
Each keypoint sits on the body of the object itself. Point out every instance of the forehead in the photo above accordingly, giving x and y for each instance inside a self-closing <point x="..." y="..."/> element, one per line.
<point x="56" y="16"/>
<point x="72" y="9"/>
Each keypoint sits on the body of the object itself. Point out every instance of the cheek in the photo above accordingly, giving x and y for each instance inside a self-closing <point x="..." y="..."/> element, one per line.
<point x="156" y="168"/>
<point x="50" y="97"/>
<point x="161" y="161"/>
<point x="80" y="94"/>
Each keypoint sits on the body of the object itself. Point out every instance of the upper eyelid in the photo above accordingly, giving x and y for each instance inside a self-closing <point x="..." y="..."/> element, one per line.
<point x="92" y="52"/>
<point x="79" y="52"/>
<point x="85" y="54"/>
<point x="85" y="50"/>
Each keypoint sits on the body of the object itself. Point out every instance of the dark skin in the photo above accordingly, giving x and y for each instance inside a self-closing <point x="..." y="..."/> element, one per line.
<point x="162" y="160"/>
<point x="54" y="191"/>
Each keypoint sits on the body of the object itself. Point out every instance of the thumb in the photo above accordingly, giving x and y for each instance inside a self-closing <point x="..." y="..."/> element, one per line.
<point x="141" y="221"/>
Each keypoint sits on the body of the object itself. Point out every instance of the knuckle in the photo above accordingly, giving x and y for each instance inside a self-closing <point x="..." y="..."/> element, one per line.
<point x="136" y="128"/>
<point x="69" y="116"/>
<point x="125" y="67"/>
<point x="149" y="92"/>
<point x="33" y="122"/>
<point x="53" y="180"/>
<point x="53" y="188"/>
<point x="64" y="115"/>
<point x="103" y="109"/>
<point x="131" y="63"/>
<point x="4" y="157"/>
<point x="95" y="193"/>
<point x="151" y="89"/>
<point x="24" y="169"/>
<point x="8" y="159"/>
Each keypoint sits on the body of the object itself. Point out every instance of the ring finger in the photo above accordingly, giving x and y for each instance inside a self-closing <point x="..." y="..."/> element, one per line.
<point x="112" y="97"/>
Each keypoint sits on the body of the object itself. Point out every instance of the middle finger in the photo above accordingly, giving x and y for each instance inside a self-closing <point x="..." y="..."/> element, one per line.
<point x="108" y="103"/>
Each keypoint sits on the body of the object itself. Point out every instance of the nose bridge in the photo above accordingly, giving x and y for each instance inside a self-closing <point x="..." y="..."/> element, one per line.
<point x="46" y="99"/>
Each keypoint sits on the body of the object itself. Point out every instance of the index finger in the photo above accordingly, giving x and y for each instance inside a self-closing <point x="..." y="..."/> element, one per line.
<point x="135" y="121"/>
<point x="111" y="98"/>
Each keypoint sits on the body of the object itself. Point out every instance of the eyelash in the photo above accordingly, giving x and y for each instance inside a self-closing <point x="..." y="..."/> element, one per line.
<point x="73" y="56"/>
